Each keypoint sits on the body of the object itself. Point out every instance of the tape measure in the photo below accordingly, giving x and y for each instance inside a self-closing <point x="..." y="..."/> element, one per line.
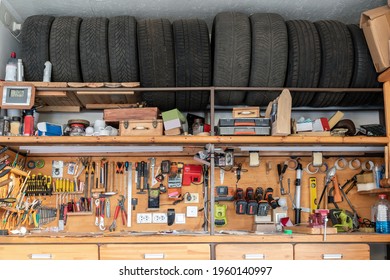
<point x="313" y="194"/>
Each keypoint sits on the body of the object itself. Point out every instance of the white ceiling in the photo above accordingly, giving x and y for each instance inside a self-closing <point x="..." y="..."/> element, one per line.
<point x="347" y="11"/>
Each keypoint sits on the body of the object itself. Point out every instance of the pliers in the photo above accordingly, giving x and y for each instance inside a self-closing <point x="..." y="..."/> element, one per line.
<point x="119" y="208"/>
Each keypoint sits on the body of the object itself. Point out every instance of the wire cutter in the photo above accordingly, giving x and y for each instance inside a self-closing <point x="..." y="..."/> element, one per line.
<point x="281" y="170"/>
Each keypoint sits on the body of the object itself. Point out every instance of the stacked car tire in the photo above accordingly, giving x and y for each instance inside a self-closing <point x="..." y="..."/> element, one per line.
<point x="261" y="50"/>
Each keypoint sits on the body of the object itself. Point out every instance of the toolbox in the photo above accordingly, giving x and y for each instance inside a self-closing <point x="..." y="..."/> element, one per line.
<point x="257" y="122"/>
<point x="141" y="128"/>
<point x="246" y="112"/>
<point x="247" y="126"/>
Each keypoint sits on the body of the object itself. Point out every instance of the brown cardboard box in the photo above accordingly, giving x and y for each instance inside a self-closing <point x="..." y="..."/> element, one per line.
<point x="281" y="125"/>
<point x="141" y="128"/>
<point x="376" y="28"/>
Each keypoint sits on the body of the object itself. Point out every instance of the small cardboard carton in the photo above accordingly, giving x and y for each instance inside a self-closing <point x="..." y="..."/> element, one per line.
<point x="376" y="28"/>
<point x="173" y="119"/>
<point x="281" y="117"/>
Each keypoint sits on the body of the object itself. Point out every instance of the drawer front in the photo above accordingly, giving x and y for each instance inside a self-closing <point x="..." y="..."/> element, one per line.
<point x="49" y="252"/>
<point x="155" y="252"/>
<point x="254" y="252"/>
<point x="332" y="252"/>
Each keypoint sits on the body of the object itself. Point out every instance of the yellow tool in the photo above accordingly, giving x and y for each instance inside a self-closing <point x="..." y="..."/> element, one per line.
<point x="313" y="194"/>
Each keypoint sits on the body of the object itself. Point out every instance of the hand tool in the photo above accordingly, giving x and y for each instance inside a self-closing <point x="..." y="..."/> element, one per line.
<point x="97" y="212"/>
<point x="86" y="181"/>
<point x="116" y="213"/>
<point x="125" y="176"/>
<point x="328" y="178"/>
<point x="281" y="170"/>
<point x="152" y="166"/>
<point x="141" y="177"/>
<point x="92" y="167"/>
<point x="129" y="193"/>
<point x="3" y="149"/>
<point x="4" y="172"/>
<point x="337" y="194"/>
<point x="101" y="223"/>
<point x="108" y="208"/>
<point x="118" y="171"/>
<point x="298" y="194"/>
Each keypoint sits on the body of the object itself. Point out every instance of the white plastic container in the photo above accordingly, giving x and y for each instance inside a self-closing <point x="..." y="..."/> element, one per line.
<point x="11" y="68"/>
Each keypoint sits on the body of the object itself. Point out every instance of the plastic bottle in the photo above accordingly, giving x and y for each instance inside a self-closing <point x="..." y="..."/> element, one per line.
<point x="11" y="68"/>
<point x="382" y="214"/>
<point x="47" y="72"/>
<point x="20" y="74"/>
<point x="28" y="123"/>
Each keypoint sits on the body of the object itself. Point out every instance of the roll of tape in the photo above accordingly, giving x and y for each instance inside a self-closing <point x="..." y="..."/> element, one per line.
<point x="310" y="169"/>
<point x="370" y="165"/>
<point x="354" y="164"/>
<point x="324" y="168"/>
<point x="343" y="165"/>
<point x="292" y="164"/>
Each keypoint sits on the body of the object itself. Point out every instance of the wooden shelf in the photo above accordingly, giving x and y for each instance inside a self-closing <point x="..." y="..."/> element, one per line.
<point x="196" y="140"/>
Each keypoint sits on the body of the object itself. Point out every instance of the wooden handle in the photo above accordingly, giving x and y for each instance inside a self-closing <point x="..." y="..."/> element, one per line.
<point x="337" y="194"/>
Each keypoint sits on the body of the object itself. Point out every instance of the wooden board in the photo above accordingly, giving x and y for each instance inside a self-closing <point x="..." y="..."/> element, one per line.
<point x="308" y="230"/>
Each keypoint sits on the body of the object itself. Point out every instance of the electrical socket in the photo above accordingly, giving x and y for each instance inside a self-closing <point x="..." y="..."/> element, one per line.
<point x="194" y="198"/>
<point x="144" y="218"/>
<point x="160" y="218"/>
<point x="192" y="211"/>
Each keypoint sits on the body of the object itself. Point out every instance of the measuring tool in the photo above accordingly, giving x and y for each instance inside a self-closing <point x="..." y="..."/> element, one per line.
<point x="313" y="194"/>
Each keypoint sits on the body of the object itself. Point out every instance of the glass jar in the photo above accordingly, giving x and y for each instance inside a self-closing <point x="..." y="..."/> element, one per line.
<point x="2" y="126"/>
<point x="15" y="126"/>
<point x="6" y="128"/>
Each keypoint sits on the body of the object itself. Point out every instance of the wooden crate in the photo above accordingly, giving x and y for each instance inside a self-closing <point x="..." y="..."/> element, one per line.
<point x="141" y="127"/>
<point x="147" y="113"/>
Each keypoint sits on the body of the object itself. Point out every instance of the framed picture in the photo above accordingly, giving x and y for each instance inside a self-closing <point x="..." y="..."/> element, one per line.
<point x="17" y="95"/>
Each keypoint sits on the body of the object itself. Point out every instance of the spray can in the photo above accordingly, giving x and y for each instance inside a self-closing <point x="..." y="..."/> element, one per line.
<point x="20" y="74"/>
<point x="11" y="68"/>
<point x="47" y="72"/>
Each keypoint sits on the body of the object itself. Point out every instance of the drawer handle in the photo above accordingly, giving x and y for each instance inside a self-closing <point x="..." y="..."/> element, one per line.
<point x="140" y="128"/>
<point x="246" y="113"/>
<point x="254" y="256"/>
<point x="41" y="256"/>
<point x="154" y="256"/>
<point x="332" y="256"/>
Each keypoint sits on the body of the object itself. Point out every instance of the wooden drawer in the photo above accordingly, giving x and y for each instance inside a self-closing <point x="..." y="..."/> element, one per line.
<point x="155" y="251"/>
<point x="49" y="252"/>
<point x="332" y="252"/>
<point x="254" y="252"/>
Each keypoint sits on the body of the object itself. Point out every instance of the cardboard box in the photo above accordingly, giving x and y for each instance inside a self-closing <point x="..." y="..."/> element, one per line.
<point x="141" y="128"/>
<point x="321" y="124"/>
<point x="246" y="112"/>
<point x="376" y="28"/>
<point x="173" y="119"/>
<point x="306" y="126"/>
<point x="147" y="113"/>
<point x="281" y="121"/>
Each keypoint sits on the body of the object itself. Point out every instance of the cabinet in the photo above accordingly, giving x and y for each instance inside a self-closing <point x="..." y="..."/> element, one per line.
<point x="254" y="252"/>
<point x="331" y="252"/>
<point x="155" y="252"/>
<point x="49" y="252"/>
<point x="241" y="247"/>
